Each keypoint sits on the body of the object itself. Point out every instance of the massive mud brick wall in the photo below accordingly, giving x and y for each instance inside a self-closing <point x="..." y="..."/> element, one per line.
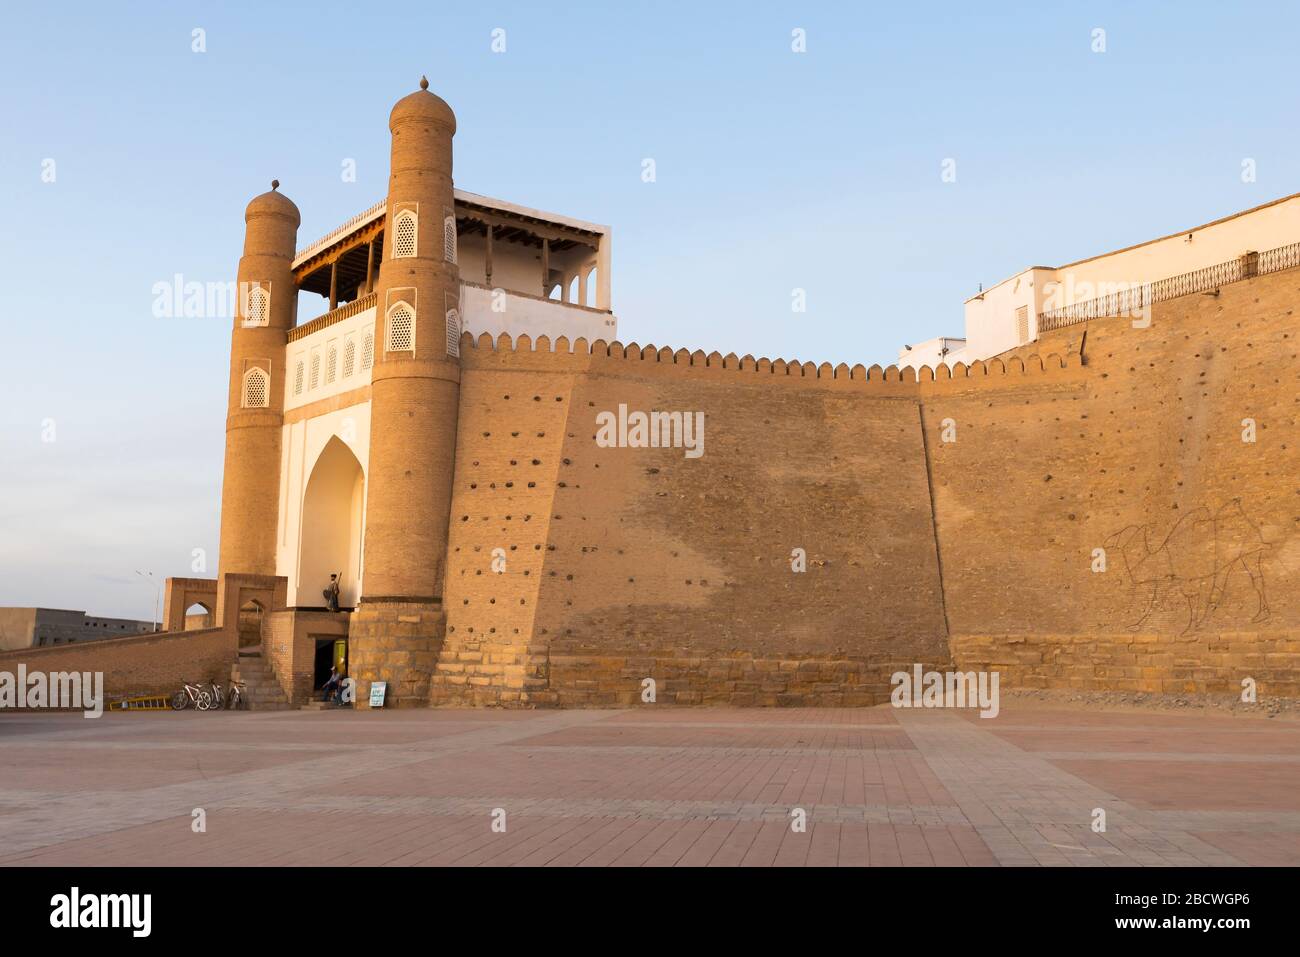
<point x="1084" y="516"/>
<point x="621" y="564"/>
<point x="1140" y="454"/>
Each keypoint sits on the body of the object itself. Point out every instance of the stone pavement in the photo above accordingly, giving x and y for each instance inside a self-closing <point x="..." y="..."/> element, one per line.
<point x="653" y="786"/>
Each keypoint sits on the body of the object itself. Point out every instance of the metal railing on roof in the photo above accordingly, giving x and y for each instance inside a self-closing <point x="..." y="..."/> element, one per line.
<point x="1138" y="296"/>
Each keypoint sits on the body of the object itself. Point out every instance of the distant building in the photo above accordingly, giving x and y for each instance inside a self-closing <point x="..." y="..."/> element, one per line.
<point x="932" y="352"/>
<point x="42" y="627"/>
<point x="1012" y="313"/>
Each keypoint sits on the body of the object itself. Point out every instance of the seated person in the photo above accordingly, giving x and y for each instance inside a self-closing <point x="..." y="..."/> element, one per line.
<point x="334" y="685"/>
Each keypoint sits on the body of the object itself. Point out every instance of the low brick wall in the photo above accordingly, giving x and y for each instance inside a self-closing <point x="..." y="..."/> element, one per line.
<point x="150" y="664"/>
<point x="1191" y="664"/>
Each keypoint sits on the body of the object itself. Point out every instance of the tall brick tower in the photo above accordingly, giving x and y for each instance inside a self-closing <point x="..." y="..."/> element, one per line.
<point x="397" y="630"/>
<point x="264" y="313"/>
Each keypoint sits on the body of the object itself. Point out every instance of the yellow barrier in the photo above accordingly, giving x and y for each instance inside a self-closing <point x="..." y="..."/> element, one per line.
<point x="143" y="703"/>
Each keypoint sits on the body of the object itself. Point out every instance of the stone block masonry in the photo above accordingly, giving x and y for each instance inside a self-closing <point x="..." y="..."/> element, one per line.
<point x="396" y="642"/>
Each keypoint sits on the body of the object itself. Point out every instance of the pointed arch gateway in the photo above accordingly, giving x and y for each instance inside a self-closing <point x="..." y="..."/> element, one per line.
<point x="332" y="511"/>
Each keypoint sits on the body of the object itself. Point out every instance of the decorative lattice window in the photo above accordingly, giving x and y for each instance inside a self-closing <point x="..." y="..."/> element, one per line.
<point x="257" y="310"/>
<point x="1022" y="323"/>
<point x="331" y="363"/>
<point x="349" y="357"/>
<point x="401" y="329"/>
<point x="314" y="380"/>
<point x="453" y="332"/>
<point x="368" y="350"/>
<point x="257" y="389"/>
<point x="404" y="234"/>
<point x="449" y="239"/>
<point x="297" y="378"/>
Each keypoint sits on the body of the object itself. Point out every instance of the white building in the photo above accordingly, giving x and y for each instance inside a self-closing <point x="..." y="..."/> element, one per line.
<point x="1010" y="313"/>
<point x="932" y="352"/>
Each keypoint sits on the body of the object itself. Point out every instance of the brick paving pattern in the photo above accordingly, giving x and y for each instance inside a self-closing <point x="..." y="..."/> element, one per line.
<point x="658" y="787"/>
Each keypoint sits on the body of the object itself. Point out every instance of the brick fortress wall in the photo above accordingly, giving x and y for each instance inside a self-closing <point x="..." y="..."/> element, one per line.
<point x="1141" y="455"/>
<point x="622" y="564"/>
<point x="628" y="563"/>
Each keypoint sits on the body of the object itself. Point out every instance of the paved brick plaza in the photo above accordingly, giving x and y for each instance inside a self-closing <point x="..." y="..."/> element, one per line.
<point x="659" y="787"/>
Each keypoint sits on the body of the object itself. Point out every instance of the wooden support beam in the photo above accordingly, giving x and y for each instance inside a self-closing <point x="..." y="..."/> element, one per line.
<point x="491" y="231"/>
<point x="370" y="266"/>
<point x="554" y="232"/>
<point x="334" y="284"/>
<point x="546" y="267"/>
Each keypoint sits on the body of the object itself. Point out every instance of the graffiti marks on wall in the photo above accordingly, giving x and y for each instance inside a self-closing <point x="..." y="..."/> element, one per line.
<point x="1207" y="557"/>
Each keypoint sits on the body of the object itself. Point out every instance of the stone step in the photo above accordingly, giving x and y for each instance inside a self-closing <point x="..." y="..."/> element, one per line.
<point x="261" y="689"/>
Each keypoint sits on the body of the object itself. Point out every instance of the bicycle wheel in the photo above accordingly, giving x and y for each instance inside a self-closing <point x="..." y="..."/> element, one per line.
<point x="179" y="700"/>
<point x="205" y="701"/>
<point x="218" y="700"/>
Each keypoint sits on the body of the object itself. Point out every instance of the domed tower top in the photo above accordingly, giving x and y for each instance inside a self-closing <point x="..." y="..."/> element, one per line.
<point x="273" y="203"/>
<point x="423" y="105"/>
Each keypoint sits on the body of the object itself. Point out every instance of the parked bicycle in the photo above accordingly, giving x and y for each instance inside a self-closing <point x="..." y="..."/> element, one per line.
<point x="235" y="696"/>
<point x="196" y="695"/>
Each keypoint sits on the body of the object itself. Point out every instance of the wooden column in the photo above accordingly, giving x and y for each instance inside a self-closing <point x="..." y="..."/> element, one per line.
<point x="334" y="284"/>
<point x="370" y="266"/>
<point x="546" y="267"/>
<point x="488" y="261"/>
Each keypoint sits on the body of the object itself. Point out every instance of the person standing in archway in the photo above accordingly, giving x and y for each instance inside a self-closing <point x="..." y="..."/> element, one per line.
<point x="332" y="594"/>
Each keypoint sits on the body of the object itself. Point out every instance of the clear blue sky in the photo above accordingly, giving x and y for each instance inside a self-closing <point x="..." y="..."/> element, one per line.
<point x="775" y="170"/>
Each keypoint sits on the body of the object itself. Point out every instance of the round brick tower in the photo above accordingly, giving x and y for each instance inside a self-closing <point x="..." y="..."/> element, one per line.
<point x="397" y="630"/>
<point x="265" y="302"/>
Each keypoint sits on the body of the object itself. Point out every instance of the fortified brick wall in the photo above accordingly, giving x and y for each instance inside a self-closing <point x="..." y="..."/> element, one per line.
<point x="1140" y="455"/>
<point x="626" y="563"/>
<point x="622" y="564"/>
